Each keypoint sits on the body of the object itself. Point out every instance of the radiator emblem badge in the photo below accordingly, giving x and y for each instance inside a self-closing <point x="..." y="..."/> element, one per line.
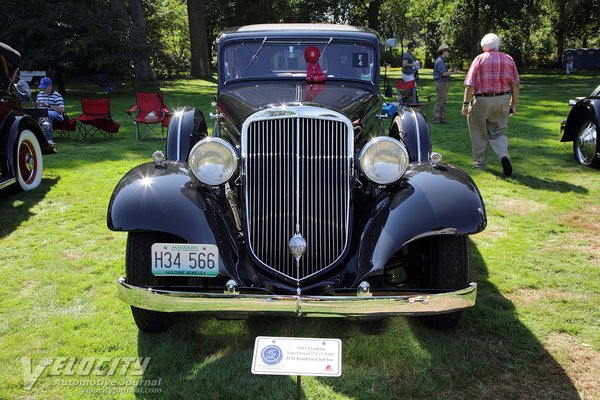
<point x="297" y="245"/>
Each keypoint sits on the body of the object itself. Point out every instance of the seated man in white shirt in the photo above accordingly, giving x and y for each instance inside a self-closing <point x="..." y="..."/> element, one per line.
<point x="51" y="99"/>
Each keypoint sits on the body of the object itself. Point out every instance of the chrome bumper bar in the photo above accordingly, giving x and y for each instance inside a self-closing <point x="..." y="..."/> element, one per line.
<point x="301" y="306"/>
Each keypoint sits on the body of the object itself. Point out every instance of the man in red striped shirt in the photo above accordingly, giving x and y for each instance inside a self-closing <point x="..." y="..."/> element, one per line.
<point x="491" y="96"/>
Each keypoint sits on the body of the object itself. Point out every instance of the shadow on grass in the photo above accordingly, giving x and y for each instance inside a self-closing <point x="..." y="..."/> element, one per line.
<point x="542" y="183"/>
<point x="491" y="354"/>
<point x="16" y="206"/>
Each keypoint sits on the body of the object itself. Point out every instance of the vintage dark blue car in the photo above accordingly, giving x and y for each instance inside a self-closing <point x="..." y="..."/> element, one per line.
<point x="301" y="202"/>
<point x="581" y="128"/>
<point x="22" y="141"/>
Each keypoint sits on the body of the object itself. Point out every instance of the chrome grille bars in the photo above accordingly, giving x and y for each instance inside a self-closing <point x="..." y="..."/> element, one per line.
<point x="297" y="173"/>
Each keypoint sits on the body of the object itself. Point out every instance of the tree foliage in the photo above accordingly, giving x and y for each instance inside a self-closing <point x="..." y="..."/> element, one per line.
<point x="93" y="36"/>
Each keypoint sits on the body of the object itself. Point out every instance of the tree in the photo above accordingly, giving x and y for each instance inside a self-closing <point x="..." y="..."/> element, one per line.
<point x="198" y="39"/>
<point x="167" y="29"/>
<point x="143" y="70"/>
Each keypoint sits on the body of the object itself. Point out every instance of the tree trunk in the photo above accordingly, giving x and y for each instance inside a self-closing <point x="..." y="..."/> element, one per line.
<point x="475" y="37"/>
<point x="119" y="8"/>
<point x="373" y="14"/>
<point x="560" y="30"/>
<point x="143" y="70"/>
<point x="198" y="39"/>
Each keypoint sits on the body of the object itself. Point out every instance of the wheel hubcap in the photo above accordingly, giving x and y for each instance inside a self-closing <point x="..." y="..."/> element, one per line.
<point x="587" y="143"/>
<point x="27" y="162"/>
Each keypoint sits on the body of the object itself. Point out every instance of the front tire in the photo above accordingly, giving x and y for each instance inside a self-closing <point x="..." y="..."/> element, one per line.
<point x="138" y="273"/>
<point x="449" y="270"/>
<point x="29" y="165"/>
<point x="585" y="145"/>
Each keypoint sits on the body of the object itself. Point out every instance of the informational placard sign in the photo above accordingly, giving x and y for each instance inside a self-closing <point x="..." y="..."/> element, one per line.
<point x="297" y="356"/>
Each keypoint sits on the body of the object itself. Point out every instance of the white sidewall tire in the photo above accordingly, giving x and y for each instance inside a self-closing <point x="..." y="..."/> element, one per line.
<point x="28" y="139"/>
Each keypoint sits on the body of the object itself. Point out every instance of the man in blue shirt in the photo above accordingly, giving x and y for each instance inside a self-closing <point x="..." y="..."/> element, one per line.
<point x="441" y="75"/>
<point x="51" y="99"/>
<point x="409" y="67"/>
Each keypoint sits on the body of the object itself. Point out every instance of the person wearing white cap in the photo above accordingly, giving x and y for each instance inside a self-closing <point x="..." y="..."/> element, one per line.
<point x="441" y="75"/>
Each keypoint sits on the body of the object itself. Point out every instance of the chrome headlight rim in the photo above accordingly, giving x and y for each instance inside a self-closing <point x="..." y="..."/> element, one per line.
<point x="404" y="162"/>
<point x="227" y="146"/>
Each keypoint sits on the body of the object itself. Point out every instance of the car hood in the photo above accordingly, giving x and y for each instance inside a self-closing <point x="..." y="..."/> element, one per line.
<point x="240" y="101"/>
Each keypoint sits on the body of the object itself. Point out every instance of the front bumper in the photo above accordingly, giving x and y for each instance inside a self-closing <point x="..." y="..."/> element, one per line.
<point x="301" y="306"/>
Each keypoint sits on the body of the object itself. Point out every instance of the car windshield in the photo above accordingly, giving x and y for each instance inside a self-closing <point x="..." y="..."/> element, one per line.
<point x="272" y="59"/>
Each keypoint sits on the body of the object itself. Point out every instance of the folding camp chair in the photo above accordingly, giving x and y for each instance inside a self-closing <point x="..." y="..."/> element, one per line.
<point x="407" y="92"/>
<point x="95" y="118"/>
<point x="407" y="95"/>
<point x="150" y="109"/>
<point x="64" y="127"/>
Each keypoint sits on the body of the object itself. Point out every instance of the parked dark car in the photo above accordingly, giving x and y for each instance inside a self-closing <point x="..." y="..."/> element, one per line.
<point x="581" y="128"/>
<point x="300" y="203"/>
<point x="22" y="141"/>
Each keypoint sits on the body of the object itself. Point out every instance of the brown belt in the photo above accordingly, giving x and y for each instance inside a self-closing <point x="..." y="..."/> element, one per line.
<point x="491" y="94"/>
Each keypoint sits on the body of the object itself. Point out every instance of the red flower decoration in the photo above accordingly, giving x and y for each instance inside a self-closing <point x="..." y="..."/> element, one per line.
<point x="312" y="54"/>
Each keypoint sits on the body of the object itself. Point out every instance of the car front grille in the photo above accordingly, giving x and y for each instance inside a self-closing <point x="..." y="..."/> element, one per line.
<point x="297" y="177"/>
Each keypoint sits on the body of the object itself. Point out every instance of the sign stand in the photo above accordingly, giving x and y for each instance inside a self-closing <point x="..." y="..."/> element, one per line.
<point x="297" y="356"/>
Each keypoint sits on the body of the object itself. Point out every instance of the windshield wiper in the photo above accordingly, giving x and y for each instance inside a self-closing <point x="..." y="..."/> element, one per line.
<point x="257" y="51"/>
<point x="326" y="46"/>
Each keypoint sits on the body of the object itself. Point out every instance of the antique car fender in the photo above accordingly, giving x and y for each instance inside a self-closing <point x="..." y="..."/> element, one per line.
<point x="186" y="128"/>
<point x="411" y="127"/>
<point x="435" y="200"/>
<point x="583" y="108"/>
<point x="163" y="198"/>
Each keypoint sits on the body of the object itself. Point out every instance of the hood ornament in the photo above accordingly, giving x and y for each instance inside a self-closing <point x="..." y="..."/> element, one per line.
<point x="297" y="246"/>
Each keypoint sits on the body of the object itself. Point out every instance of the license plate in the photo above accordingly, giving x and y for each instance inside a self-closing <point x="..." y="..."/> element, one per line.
<point x="185" y="259"/>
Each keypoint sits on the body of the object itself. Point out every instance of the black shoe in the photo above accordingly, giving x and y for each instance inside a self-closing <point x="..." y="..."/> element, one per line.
<point x="506" y="167"/>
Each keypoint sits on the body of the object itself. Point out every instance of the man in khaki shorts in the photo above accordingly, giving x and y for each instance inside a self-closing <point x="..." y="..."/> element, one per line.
<point x="491" y="96"/>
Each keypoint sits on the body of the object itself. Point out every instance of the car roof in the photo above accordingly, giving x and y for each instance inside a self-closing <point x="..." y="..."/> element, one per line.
<point x="13" y="56"/>
<point x="298" y="31"/>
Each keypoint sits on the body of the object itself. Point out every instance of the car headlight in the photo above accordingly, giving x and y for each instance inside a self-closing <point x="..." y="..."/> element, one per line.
<point x="213" y="161"/>
<point x="384" y="160"/>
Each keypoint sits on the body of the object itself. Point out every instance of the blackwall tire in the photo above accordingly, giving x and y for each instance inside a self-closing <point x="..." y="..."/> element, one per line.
<point x="28" y="161"/>
<point x="449" y="270"/>
<point x="138" y="273"/>
<point x="585" y="145"/>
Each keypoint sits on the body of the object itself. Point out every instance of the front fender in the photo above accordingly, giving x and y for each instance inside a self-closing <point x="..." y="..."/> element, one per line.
<point x="583" y="108"/>
<point x="164" y="200"/>
<point x="412" y="128"/>
<point x="440" y="200"/>
<point x="186" y="128"/>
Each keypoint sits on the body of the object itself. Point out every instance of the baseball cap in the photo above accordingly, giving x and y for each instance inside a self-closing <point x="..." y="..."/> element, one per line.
<point x="45" y="82"/>
<point x="444" y="47"/>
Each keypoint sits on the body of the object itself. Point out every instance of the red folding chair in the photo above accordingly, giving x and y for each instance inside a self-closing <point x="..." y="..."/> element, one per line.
<point x="64" y="127"/>
<point x="407" y="91"/>
<point x="95" y="118"/>
<point x="150" y="109"/>
<point x="407" y="94"/>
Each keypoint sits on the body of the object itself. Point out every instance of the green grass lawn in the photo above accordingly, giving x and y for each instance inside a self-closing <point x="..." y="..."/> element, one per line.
<point x="534" y="333"/>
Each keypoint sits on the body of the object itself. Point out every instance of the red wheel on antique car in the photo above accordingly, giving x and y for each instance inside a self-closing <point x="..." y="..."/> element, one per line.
<point x="585" y="145"/>
<point x="138" y="272"/>
<point x="449" y="270"/>
<point x="29" y="163"/>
